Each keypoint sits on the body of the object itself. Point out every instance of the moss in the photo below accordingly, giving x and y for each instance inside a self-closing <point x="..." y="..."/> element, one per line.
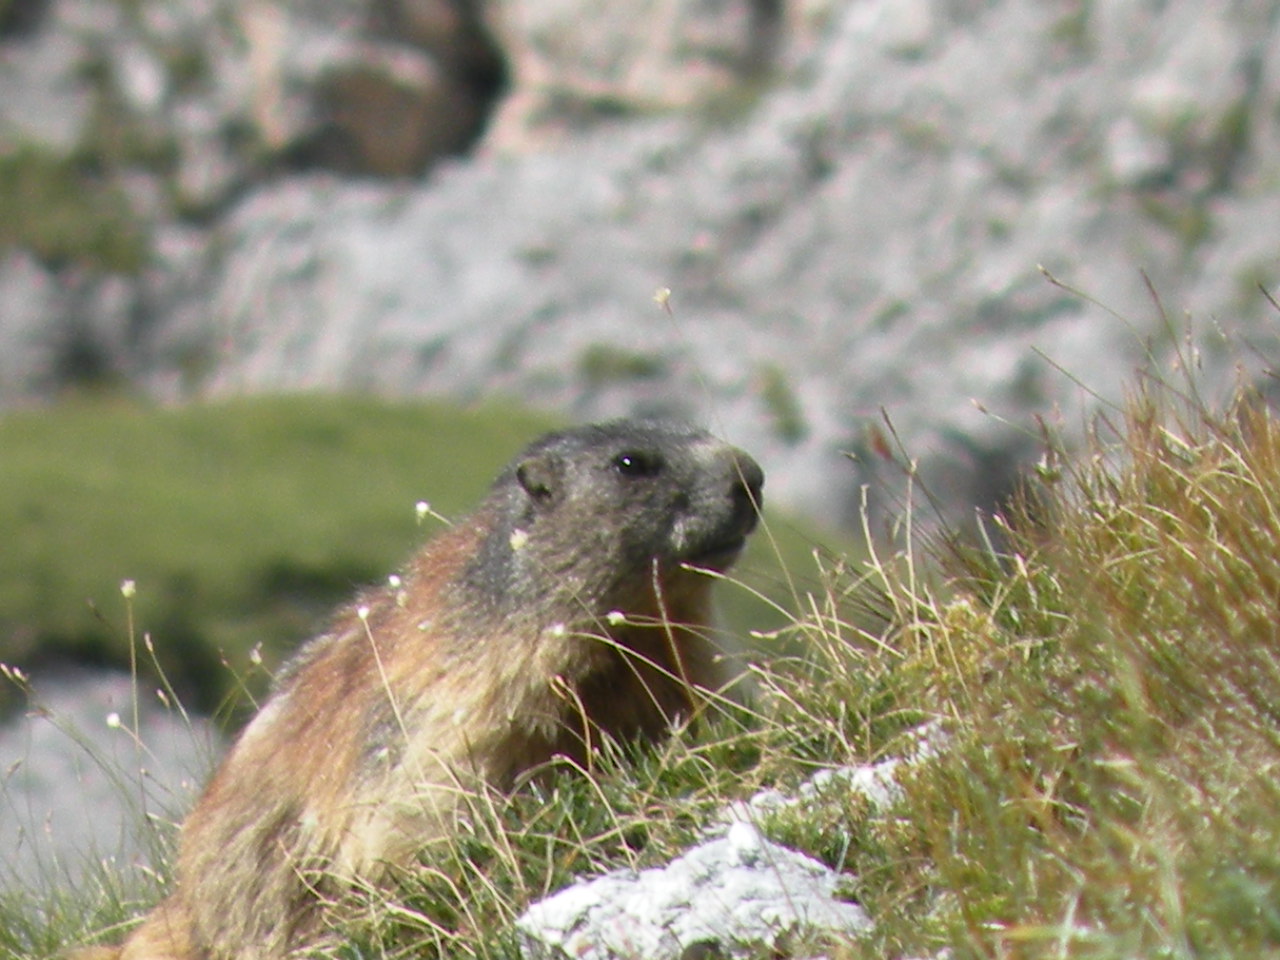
<point x="67" y="213"/>
<point x="784" y="409"/>
<point x="601" y="364"/>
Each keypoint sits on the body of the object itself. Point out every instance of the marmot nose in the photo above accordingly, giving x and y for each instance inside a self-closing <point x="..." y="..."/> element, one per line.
<point x="748" y="481"/>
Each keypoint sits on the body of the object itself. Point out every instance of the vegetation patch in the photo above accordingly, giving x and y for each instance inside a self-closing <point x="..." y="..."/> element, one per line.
<point x="241" y="524"/>
<point x="1100" y="679"/>
<point x="68" y="213"/>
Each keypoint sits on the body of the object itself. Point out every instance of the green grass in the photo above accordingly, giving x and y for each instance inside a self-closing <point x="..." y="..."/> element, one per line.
<point x="1107" y="676"/>
<point x="240" y="523"/>
<point x="1110" y="681"/>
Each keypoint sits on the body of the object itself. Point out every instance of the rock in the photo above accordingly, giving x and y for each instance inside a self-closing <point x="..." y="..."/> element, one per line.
<point x="575" y="66"/>
<point x="414" y="86"/>
<point x="900" y="28"/>
<point x="27" y="297"/>
<point x="860" y="238"/>
<point x="869" y="238"/>
<point x="60" y="328"/>
<point x="210" y="95"/>
<point x="79" y="789"/>
<point x="736" y="896"/>
<point x="21" y="18"/>
<point x="33" y="109"/>
<point x="877" y="783"/>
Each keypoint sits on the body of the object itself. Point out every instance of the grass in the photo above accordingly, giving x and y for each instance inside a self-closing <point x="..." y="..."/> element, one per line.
<point x="242" y="524"/>
<point x="1109" y="681"/>
<point x="1105" y="675"/>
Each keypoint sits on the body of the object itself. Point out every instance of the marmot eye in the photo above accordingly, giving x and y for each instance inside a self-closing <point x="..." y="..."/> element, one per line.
<point x="636" y="463"/>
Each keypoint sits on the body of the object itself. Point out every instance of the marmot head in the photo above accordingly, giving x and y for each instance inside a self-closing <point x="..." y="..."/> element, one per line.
<point x="595" y="514"/>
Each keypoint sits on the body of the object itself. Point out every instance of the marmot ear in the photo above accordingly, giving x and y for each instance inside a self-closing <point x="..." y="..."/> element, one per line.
<point x="540" y="476"/>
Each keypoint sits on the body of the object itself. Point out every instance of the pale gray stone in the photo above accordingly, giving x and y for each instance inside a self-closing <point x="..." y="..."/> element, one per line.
<point x="738" y="896"/>
<point x="81" y="785"/>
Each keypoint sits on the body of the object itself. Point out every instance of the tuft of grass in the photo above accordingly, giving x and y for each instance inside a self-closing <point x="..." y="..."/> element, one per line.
<point x="602" y="365"/>
<point x="1109" y="681"/>
<point x="781" y="403"/>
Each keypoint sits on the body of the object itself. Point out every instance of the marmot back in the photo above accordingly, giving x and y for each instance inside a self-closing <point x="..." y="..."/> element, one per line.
<point x="566" y="610"/>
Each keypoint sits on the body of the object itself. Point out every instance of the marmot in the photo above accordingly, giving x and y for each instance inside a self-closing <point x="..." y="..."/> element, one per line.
<point x="566" y="609"/>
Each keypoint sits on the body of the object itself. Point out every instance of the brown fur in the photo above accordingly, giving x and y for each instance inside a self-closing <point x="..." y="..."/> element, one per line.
<point x="561" y="613"/>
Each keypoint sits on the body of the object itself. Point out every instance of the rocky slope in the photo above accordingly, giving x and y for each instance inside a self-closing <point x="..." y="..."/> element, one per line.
<point x="863" y="229"/>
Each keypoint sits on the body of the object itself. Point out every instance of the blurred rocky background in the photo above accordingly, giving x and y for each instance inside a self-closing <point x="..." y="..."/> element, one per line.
<point x="850" y="200"/>
<point x="856" y="205"/>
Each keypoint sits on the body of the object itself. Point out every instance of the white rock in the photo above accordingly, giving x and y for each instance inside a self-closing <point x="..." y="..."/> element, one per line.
<point x="877" y="782"/>
<point x="899" y="27"/>
<point x="1135" y="154"/>
<point x="741" y="894"/>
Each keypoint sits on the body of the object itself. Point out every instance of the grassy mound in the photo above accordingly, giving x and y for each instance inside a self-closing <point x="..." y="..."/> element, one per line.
<point x="1103" y="675"/>
<point x="1112" y="684"/>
